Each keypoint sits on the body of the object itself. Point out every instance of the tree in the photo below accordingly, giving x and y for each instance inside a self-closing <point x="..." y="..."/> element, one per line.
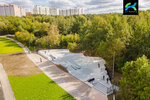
<point x="25" y="37"/>
<point x="80" y="25"/>
<point x="3" y="27"/>
<point x="70" y="38"/>
<point x="140" y="42"/>
<point x="41" y="29"/>
<point x="135" y="84"/>
<point x="50" y="41"/>
<point x="72" y="46"/>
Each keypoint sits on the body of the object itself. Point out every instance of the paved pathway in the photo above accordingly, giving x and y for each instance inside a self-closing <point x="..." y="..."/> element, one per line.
<point x="1" y="93"/>
<point x="72" y="85"/>
<point x="7" y="91"/>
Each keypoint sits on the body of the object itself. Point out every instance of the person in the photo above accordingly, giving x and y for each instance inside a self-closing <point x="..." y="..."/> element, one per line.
<point x="40" y="59"/>
<point x="103" y="77"/>
<point x="98" y="65"/>
<point x="107" y="80"/>
<point x="28" y="52"/>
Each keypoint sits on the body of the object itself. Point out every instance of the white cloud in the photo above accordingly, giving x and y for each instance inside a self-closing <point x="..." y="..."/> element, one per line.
<point x="63" y="4"/>
<point x="28" y="4"/>
<point x="4" y="1"/>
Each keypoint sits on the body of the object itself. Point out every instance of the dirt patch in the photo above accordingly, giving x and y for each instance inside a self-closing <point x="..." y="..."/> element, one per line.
<point x="18" y="64"/>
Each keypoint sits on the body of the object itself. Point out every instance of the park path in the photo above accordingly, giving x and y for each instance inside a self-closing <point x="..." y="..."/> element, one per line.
<point x="69" y="83"/>
<point x="1" y="92"/>
<point x="7" y="93"/>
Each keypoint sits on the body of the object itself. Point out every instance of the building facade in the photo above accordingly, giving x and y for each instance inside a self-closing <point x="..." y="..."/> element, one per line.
<point x="12" y="10"/>
<point x="54" y="11"/>
<point x="45" y="10"/>
<point x="68" y="12"/>
<point x="28" y="13"/>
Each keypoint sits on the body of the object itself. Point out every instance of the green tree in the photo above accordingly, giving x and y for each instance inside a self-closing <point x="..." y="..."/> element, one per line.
<point x="135" y="84"/>
<point x="25" y="37"/>
<point x="50" y="41"/>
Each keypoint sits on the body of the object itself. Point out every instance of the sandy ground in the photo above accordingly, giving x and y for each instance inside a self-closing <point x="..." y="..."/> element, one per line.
<point x="18" y="64"/>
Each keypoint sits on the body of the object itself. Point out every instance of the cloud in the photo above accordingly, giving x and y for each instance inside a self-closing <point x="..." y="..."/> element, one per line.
<point x="4" y="1"/>
<point x="23" y="3"/>
<point x="63" y="4"/>
<point x="144" y="4"/>
<point x="105" y="6"/>
<point x="90" y="6"/>
<point x="97" y="2"/>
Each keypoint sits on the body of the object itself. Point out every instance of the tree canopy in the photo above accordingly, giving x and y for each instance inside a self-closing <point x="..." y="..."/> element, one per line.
<point x="135" y="84"/>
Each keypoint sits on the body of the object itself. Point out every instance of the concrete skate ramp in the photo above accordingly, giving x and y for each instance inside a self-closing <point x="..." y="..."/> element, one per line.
<point x="82" y="67"/>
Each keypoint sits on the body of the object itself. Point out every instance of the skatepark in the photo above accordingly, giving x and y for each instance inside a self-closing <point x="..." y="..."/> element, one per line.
<point x="90" y="70"/>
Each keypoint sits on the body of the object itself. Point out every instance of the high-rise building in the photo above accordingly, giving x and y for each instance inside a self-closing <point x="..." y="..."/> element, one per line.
<point x="68" y="12"/>
<point x="12" y="10"/>
<point x="54" y="11"/>
<point x="40" y="10"/>
<point x="45" y="10"/>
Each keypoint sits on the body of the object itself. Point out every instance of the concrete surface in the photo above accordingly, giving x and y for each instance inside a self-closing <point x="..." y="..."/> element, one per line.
<point x="82" y="67"/>
<point x="5" y="85"/>
<point x="1" y="93"/>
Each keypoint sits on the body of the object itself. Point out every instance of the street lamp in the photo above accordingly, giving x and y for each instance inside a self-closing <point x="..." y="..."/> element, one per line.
<point x="113" y="77"/>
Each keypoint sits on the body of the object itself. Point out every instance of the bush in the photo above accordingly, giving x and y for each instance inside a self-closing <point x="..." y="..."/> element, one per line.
<point x="72" y="46"/>
<point x="71" y="38"/>
<point x="25" y="37"/>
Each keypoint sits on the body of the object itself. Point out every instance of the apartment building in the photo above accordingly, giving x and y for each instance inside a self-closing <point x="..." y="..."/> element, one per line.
<point x="68" y="12"/>
<point x="54" y="11"/>
<point x="45" y="10"/>
<point x="12" y="10"/>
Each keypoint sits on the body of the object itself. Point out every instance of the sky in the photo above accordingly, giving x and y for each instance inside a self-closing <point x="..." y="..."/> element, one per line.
<point x="90" y="6"/>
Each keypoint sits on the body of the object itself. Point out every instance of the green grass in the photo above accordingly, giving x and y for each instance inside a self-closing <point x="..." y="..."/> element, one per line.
<point x="37" y="87"/>
<point x="8" y="46"/>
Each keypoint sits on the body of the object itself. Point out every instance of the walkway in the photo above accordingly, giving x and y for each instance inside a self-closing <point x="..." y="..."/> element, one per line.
<point x="72" y="85"/>
<point x="1" y="92"/>
<point x="7" y="91"/>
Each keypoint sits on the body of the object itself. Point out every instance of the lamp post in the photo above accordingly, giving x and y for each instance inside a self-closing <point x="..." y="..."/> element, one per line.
<point x="113" y="71"/>
<point x="113" y="75"/>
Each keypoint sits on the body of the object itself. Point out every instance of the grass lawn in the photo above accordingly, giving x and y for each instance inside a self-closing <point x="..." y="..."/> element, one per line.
<point x="8" y="46"/>
<point x="37" y="87"/>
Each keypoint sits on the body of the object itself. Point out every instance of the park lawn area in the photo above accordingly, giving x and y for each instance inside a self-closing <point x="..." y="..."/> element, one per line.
<point x="26" y="79"/>
<point x="8" y="46"/>
<point x="37" y="87"/>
